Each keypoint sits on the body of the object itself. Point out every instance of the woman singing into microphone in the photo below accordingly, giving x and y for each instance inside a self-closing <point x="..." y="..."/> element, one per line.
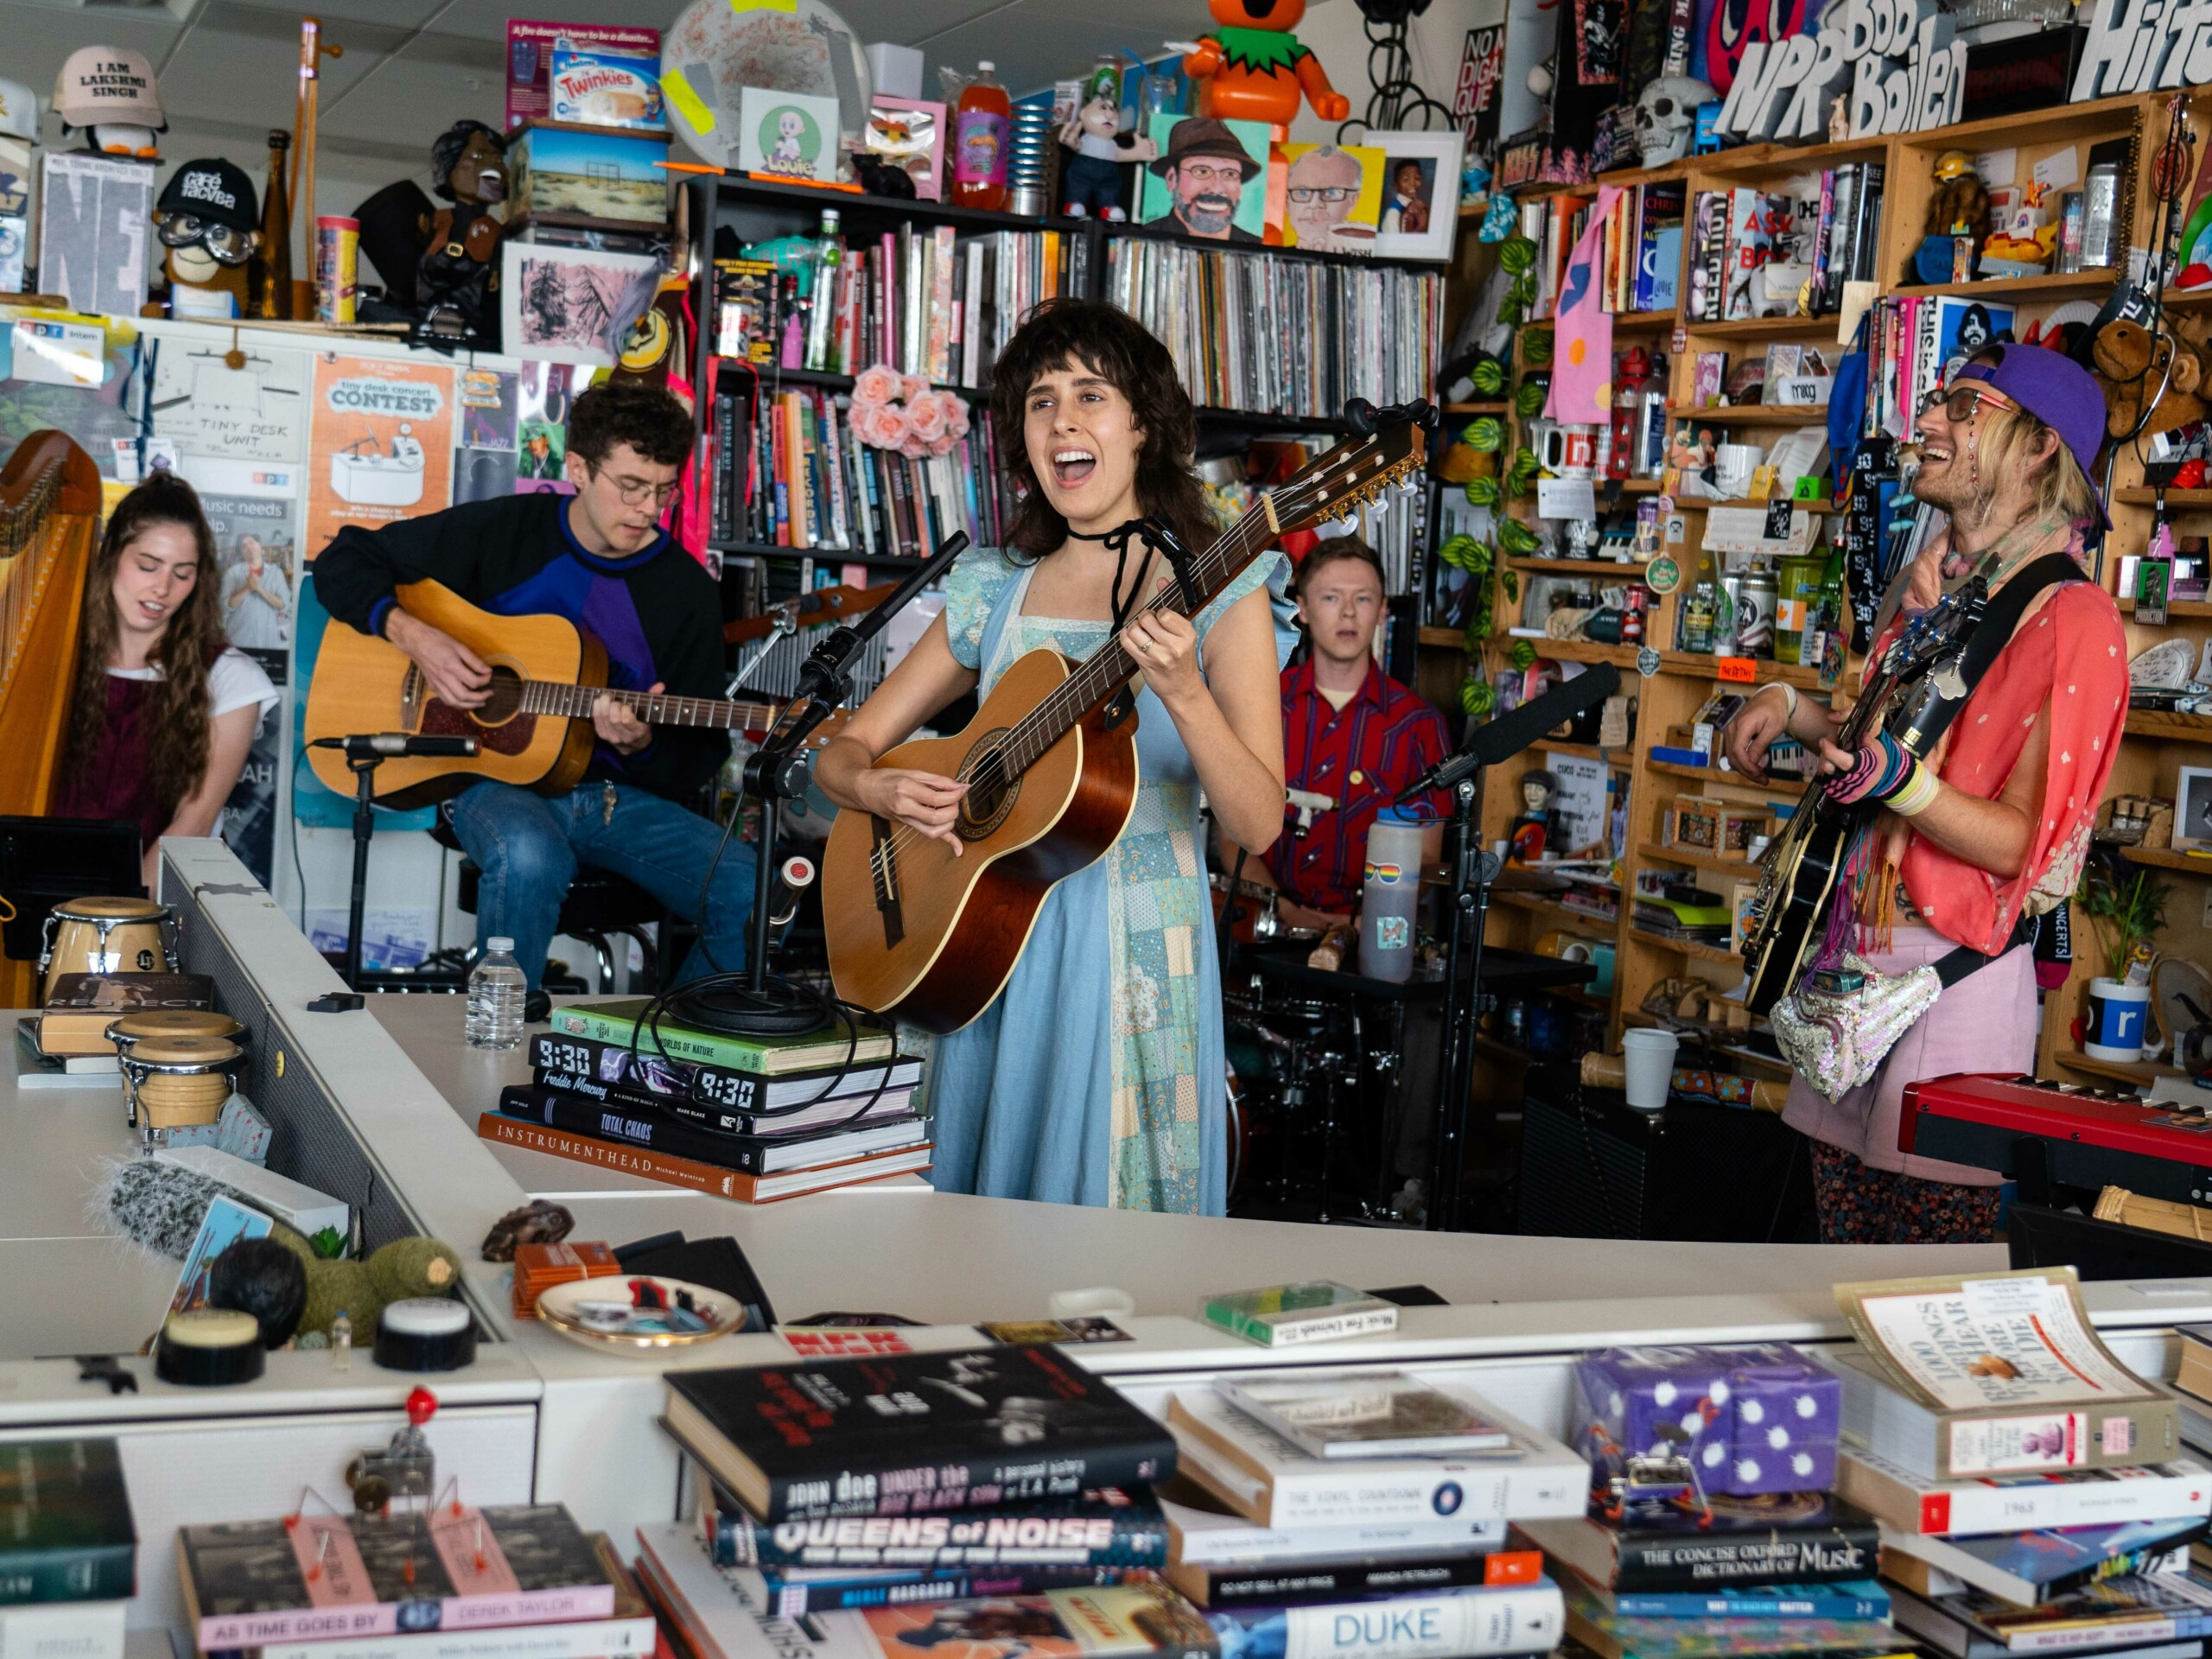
<point x="1098" y="1076"/>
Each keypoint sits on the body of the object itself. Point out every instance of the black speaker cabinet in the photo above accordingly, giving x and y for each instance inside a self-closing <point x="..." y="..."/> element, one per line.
<point x="1591" y="1167"/>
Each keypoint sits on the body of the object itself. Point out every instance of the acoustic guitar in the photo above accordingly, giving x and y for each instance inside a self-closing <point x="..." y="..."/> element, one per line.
<point x="536" y="729"/>
<point x="1051" y="763"/>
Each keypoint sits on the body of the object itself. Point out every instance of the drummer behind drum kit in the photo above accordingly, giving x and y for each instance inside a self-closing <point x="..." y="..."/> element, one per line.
<point x="180" y="1065"/>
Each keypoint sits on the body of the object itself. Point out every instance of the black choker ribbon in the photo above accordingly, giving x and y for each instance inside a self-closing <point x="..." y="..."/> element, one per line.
<point x="1156" y="536"/>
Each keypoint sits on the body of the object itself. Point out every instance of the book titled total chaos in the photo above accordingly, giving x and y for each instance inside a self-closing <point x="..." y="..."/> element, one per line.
<point x="907" y="1433"/>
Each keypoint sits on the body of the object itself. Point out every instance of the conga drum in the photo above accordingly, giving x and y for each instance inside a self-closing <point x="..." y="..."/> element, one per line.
<point x="175" y="1083"/>
<point x="107" y="936"/>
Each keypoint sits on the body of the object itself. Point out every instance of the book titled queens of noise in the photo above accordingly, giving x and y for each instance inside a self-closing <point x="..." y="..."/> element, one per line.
<point x="901" y="1435"/>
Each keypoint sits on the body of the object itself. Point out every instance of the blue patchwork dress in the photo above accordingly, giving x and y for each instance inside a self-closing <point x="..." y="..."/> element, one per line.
<point x="1098" y="1076"/>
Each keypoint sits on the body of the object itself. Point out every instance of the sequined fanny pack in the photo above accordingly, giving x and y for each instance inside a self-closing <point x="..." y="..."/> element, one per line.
<point x="1840" y="1023"/>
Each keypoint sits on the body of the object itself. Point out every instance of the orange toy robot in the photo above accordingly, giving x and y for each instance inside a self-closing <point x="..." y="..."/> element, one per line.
<point x="1252" y="67"/>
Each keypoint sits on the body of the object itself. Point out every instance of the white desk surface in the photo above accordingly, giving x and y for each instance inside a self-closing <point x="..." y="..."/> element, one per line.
<point x="67" y="1284"/>
<point x="944" y="1258"/>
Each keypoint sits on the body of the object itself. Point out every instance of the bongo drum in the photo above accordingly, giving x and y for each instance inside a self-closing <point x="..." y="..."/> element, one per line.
<point x="133" y="1028"/>
<point x="174" y="1083"/>
<point x="107" y="936"/>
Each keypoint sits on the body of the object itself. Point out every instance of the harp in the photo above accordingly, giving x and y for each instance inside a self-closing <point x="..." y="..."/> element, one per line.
<point x="49" y="512"/>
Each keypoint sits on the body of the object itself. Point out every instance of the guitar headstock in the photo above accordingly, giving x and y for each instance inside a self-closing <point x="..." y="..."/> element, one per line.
<point x="1352" y="474"/>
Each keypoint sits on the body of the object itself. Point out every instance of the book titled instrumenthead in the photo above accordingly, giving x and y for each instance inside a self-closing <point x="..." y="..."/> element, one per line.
<point x="1282" y="1316"/>
<point x="905" y="1433"/>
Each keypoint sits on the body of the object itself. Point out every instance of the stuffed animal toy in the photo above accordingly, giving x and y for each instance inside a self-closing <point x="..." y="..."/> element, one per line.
<point x="2129" y="364"/>
<point x="1252" y="67"/>
<point x="1094" y="173"/>
<point x="1960" y="204"/>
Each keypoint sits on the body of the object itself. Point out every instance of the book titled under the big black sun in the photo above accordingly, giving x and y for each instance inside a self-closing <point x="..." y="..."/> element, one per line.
<point x="901" y="1435"/>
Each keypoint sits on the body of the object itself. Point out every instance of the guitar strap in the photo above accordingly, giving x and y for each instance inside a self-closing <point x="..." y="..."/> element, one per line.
<point x="1999" y="618"/>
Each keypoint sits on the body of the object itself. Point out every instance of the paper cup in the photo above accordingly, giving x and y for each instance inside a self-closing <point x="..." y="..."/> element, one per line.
<point x="1649" y="1058"/>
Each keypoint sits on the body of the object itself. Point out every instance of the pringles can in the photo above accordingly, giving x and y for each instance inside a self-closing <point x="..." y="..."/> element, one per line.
<point x="337" y="260"/>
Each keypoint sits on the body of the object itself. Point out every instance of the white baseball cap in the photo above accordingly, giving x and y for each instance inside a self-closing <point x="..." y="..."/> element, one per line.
<point x="18" y="110"/>
<point x="109" y="85"/>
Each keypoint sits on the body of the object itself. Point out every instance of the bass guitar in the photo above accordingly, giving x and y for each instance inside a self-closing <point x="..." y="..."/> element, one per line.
<point x="535" y="730"/>
<point x="1051" y="763"/>
<point x="1912" y="694"/>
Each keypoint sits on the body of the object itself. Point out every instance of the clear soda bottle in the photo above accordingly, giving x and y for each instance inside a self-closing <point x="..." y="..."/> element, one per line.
<point x="496" y="989"/>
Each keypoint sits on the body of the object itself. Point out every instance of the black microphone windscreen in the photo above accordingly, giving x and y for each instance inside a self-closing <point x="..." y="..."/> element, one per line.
<point x="1510" y="733"/>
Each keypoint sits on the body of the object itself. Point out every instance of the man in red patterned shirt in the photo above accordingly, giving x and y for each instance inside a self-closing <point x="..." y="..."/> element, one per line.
<point x="1351" y="734"/>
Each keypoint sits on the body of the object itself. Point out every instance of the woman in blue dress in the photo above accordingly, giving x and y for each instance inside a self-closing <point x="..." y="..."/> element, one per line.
<point x="1098" y="1076"/>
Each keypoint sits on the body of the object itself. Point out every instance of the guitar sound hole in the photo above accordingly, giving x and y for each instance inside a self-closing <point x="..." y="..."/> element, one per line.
<point x="505" y="700"/>
<point x="991" y="792"/>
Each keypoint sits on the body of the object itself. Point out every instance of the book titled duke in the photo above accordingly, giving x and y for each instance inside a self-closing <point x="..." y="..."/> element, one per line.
<point x="901" y="1435"/>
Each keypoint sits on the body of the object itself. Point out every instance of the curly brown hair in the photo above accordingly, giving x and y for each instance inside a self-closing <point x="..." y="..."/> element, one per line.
<point x="649" y="419"/>
<point x="1117" y="348"/>
<point x="178" y="703"/>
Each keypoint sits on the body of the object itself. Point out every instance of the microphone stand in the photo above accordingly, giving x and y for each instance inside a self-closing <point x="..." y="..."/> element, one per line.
<point x="779" y="771"/>
<point x="363" y="761"/>
<point x="1474" y="868"/>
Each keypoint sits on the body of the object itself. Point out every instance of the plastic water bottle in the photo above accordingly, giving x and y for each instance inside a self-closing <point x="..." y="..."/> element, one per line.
<point x="496" y="990"/>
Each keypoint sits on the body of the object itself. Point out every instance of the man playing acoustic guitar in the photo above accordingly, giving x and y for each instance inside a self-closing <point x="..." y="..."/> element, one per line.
<point x="600" y="559"/>
<point x="1994" y="825"/>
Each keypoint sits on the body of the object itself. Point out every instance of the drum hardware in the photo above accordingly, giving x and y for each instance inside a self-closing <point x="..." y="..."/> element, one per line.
<point x="107" y="936"/>
<point x="174" y="1082"/>
<point x="1306" y="805"/>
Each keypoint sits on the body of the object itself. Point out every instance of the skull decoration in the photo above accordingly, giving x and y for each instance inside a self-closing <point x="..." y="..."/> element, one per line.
<point x="1665" y="114"/>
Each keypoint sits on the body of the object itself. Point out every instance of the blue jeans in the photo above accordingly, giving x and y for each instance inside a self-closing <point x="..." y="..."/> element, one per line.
<point x="528" y="847"/>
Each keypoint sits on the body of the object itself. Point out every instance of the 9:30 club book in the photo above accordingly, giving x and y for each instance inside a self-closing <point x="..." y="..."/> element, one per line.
<point x="902" y="1433"/>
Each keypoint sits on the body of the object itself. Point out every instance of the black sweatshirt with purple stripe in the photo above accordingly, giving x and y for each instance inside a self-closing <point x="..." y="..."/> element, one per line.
<point x="657" y="611"/>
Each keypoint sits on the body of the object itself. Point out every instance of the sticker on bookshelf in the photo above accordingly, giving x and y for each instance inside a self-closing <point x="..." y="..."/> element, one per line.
<point x="1663" y="574"/>
<point x="1647" y="661"/>
<point x="1738" y="670"/>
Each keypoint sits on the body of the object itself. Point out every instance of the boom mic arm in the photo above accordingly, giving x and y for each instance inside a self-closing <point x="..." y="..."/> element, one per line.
<point x="1500" y="739"/>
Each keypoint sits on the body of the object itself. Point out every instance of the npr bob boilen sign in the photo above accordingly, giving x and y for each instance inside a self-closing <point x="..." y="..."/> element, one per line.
<point x="2142" y="45"/>
<point x="1897" y="65"/>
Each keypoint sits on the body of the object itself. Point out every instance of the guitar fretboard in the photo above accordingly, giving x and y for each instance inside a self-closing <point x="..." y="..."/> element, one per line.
<point x="575" y="701"/>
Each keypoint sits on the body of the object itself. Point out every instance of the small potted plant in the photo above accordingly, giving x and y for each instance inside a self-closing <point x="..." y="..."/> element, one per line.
<point x="2125" y="905"/>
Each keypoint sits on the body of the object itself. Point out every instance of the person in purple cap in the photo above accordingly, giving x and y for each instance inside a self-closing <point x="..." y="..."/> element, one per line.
<point x="1989" y="832"/>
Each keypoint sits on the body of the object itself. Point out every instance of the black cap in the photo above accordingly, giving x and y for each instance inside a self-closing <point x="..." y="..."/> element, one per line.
<point x="212" y="190"/>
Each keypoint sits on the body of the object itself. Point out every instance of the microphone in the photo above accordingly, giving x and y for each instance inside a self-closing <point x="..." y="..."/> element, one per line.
<point x="1501" y="739"/>
<point x="383" y="745"/>
<point x="823" y="674"/>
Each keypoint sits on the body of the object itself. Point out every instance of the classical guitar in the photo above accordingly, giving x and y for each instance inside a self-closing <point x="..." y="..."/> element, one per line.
<point x="1911" y="694"/>
<point x="536" y="729"/>
<point x="1052" y="765"/>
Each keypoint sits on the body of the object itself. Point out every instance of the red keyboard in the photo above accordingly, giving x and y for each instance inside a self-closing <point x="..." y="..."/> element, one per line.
<point x="2082" y="1137"/>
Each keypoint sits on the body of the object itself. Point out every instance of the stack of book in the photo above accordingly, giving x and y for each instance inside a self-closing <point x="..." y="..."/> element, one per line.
<point x="873" y="1509"/>
<point x="1363" y="1513"/>
<point x="754" y="1119"/>
<point x="68" y="1550"/>
<point x="1642" y="258"/>
<point x="1268" y="334"/>
<point x="920" y="299"/>
<point x="786" y="471"/>
<point x="513" y="1582"/>
<point x="1709" y="1528"/>
<point x="2031" y="1490"/>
